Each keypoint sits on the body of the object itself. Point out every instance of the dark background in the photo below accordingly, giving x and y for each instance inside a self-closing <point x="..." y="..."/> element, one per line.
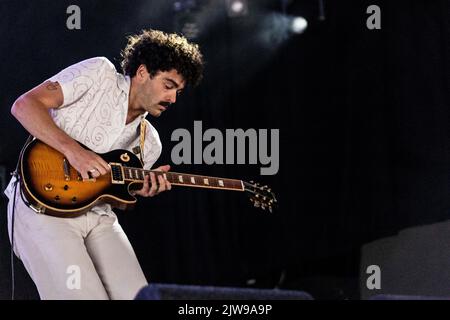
<point x="364" y="133"/>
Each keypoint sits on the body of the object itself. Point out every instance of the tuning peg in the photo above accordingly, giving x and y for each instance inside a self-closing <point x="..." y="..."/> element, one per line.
<point x="269" y="190"/>
<point x="257" y="204"/>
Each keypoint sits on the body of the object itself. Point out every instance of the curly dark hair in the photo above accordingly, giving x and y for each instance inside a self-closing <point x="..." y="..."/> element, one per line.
<point x="160" y="51"/>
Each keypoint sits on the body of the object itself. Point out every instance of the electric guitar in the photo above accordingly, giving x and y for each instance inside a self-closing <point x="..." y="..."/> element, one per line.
<point x="52" y="186"/>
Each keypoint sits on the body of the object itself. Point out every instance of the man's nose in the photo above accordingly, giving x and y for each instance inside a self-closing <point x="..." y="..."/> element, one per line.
<point x="173" y="98"/>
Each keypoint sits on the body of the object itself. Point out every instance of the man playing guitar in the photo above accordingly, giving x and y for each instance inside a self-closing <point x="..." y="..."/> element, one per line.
<point x="92" y="104"/>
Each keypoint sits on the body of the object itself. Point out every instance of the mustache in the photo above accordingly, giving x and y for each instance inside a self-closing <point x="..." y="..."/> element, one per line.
<point x="165" y="104"/>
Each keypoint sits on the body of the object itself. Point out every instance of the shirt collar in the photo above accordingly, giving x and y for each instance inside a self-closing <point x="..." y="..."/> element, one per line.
<point x="124" y="84"/>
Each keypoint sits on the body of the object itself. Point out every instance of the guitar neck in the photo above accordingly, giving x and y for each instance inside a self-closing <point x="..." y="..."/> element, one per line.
<point x="183" y="179"/>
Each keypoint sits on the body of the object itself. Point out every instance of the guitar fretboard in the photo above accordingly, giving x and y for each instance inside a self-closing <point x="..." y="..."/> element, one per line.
<point x="183" y="179"/>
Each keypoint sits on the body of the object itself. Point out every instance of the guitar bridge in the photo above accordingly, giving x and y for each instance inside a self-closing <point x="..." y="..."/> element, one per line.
<point x="117" y="174"/>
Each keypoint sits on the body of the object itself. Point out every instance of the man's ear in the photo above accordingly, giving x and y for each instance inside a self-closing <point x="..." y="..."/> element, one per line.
<point x="142" y="73"/>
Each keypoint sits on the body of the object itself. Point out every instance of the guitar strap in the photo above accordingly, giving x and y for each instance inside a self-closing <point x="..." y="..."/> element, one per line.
<point x="140" y="149"/>
<point x="142" y="139"/>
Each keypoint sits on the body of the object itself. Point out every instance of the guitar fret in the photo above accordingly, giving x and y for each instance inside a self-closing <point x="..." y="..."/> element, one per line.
<point x="213" y="182"/>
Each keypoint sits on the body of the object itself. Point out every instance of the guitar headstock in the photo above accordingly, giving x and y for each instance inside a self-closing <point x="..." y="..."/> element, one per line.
<point x="261" y="196"/>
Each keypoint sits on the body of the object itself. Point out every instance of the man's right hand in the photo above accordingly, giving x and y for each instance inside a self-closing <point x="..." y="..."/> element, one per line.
<point x="87" y="162"/>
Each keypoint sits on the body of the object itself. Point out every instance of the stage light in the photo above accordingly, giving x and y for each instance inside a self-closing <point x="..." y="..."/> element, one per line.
<point x="236" y="8"/>
<point x="277" y="28"/>
<point x="184" y="5"/>
<point x="298" y="24"/>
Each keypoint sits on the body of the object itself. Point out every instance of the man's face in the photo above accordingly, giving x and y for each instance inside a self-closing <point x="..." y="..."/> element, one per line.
<point x="157" y="93"/>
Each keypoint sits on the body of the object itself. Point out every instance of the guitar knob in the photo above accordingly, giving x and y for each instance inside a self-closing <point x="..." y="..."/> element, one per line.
<point x="57" y="198"/>
<point x="74" y="199"/>
<point x="48" y="187"/>
<point x="66" y="187"/>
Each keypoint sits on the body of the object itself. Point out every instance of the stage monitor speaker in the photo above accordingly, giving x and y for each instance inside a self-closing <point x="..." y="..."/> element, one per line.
<point x="414" y="262"/>
<point x="159" y="291"/>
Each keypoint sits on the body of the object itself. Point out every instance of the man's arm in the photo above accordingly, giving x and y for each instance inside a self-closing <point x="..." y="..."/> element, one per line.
<point x="32" y="111"/>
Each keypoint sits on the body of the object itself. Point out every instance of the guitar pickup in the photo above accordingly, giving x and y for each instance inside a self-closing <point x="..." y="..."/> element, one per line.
<point x="117" y="174"/>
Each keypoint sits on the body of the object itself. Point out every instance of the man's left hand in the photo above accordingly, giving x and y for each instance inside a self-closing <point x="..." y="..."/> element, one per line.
<point x="151" y="186"/>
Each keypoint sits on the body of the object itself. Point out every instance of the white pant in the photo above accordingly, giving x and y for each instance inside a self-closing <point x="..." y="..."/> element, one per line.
<point x="88" y="257"/>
